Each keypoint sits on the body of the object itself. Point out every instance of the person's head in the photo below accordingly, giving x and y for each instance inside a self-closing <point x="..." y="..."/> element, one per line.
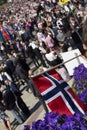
<point x="6" y="81"/>
<point x="48" y="50"/>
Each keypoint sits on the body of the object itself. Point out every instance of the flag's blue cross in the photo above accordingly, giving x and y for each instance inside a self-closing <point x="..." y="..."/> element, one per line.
<point x="60" y="88"/>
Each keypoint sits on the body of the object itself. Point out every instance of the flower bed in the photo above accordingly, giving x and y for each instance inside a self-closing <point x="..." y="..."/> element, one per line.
<point x="80" y="82"/>
<point x="54" y="121"/>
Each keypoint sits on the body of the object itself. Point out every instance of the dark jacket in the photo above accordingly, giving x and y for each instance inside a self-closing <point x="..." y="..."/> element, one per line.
<point x="22" y="68"/>
<point x="21" y="72"/>
<point x="30" y="52"/>
<point x="9" y="99"/>
<point x="15" y="90"/>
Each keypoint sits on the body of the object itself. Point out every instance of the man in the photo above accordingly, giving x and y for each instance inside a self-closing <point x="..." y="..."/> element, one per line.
<point x="13" y="87"/>
<point x="10" y="105"/>
<point x="37" y="52"/>
<point x="23" y="71"/>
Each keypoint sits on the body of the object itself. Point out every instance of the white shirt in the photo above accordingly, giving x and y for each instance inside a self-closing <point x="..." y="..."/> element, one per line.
<point x="50" y="56"/>
<point x="33" y="45"/>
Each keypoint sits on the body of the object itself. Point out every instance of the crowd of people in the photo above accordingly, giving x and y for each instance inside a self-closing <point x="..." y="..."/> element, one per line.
<point x="38" y="30"/>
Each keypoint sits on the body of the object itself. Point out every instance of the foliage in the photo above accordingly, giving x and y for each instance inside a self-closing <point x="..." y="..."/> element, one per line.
<point x="54" y="121"/>
<point x="80" y="82"/>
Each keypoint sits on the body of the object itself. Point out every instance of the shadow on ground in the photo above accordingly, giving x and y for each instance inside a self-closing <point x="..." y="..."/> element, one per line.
<point x="15" y="124"/>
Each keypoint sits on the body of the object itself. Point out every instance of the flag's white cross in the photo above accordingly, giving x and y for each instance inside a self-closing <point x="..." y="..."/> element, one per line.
<point x="60" y="88"/>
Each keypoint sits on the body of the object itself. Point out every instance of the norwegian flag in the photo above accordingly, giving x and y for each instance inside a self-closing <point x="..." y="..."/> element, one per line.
<point x="57" y="94"/>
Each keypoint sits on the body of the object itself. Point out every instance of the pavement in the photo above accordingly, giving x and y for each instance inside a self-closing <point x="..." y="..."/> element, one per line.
<point x="33" y="103"/>
<point x="36" y="109"/>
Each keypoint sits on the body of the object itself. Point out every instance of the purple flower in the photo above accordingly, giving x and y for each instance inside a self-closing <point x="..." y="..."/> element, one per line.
<point x="54" y="121"/>
<point x="26" y="127"/>
<point x="80" y="82"/>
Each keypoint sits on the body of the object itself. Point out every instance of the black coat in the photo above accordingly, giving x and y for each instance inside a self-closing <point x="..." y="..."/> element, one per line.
<point x="17" y="93"/>
<point x="9" y="99"/>
<point x="15" y="90"/>
<point x="30" y="52"/>
<point x="21" y="72"/>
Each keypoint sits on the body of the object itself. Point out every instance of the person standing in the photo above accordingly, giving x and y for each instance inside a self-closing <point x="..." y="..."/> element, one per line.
<point x="21" y="104"/>
<point x="24" y="72"/>
<point x="10" y="104"/>
<point x="49" y="40"/>
<point x="34" y="45"/>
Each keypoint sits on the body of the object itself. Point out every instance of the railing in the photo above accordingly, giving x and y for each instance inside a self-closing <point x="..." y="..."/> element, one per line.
<point x="33" y="76"/>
